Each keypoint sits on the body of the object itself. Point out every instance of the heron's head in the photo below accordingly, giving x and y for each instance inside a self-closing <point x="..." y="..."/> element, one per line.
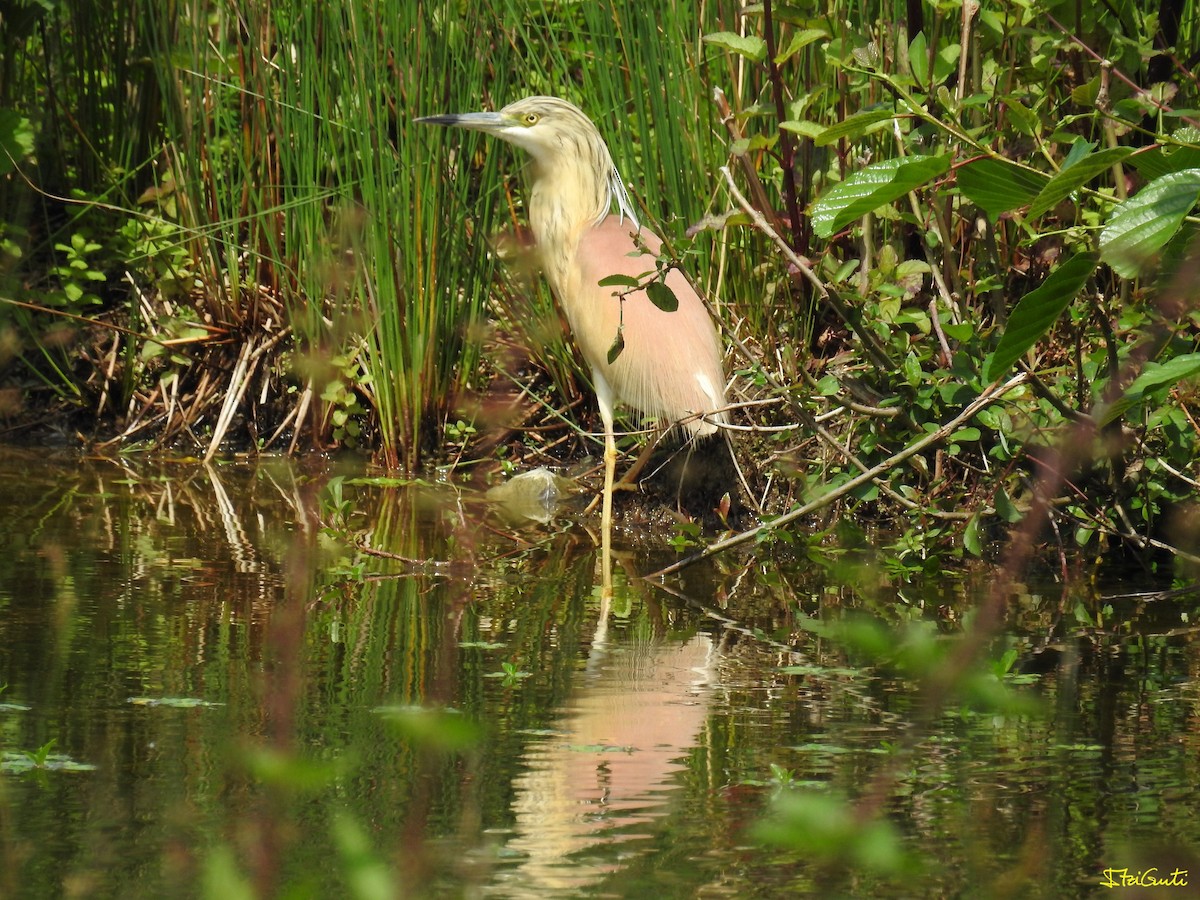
<point x="566" y="147"/>
<point x="546" y="127"/>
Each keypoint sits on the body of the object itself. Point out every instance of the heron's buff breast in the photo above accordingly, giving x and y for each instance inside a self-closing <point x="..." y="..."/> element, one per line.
<point x="670" y="367"/>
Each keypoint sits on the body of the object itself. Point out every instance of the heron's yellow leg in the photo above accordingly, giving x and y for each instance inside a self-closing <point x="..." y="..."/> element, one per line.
<point x="628" y="481"/>
<point x="604" y="399"/>
<point x="610" y="467"/>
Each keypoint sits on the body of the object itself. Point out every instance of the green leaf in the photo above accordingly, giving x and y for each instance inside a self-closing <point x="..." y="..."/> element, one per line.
<point x="755" y="142"/>
<point x="1085" y="94"/>
<point x="618" y="281"/>
<point x="1079" y="150"/>
<point x="1005" y="508"/>
<point x="997" y="187"/>
<point x="751" y="47"/>
<point x="1076" y="176"/>
<point x="912" y="369"/>
<point x="1022" y="117"/>
<point x="829" y="386"/>
<point x="662" y="296"/>
<point x="618" y="345"/>
<point x="918" y="60"/>
<point x="855" y="126"/>
<point x="1153" y="376"/>
<point x="872" y="187"/>
<point x="799" y="41"/>
<point x="945" y="63"/>
<point x="1156" y="162"/>
<point x="16" y="139"/>
<point x="963" y="331"/>
<point x="1141" y="225"/>
<point x="971" y="542"/>
<point x="1037" y="311"/>
<point x="807" y="129"/>
<point x="1171" y="372"/>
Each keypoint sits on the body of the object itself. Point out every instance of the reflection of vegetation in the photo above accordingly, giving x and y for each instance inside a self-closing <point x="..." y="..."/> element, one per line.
<point x="40" y="760"/>
<point x="173" y="702"/>
<point x="510" y="674"/>
<point x="824" y="827"/>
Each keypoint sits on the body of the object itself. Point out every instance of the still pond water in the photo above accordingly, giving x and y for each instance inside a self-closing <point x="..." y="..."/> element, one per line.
<point x="242" y="702"/>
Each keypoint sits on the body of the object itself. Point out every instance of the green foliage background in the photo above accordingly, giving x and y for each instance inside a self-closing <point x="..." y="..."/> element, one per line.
<point x="222" y="228"/>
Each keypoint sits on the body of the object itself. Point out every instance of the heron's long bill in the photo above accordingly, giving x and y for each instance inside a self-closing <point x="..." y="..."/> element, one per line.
<point x="476" y="121"/>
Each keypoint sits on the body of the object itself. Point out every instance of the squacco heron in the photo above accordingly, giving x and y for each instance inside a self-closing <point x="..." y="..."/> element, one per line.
<point x="669" y="366"/>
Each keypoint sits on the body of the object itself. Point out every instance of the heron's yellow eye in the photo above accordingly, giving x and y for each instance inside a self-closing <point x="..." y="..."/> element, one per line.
<point x="531" y="118"/>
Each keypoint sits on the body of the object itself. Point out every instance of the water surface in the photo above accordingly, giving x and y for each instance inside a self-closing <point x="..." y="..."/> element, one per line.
<point x="402" y="695"/>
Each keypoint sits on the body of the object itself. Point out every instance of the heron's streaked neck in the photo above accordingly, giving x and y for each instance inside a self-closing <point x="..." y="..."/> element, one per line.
<point x="566" y="196"/>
